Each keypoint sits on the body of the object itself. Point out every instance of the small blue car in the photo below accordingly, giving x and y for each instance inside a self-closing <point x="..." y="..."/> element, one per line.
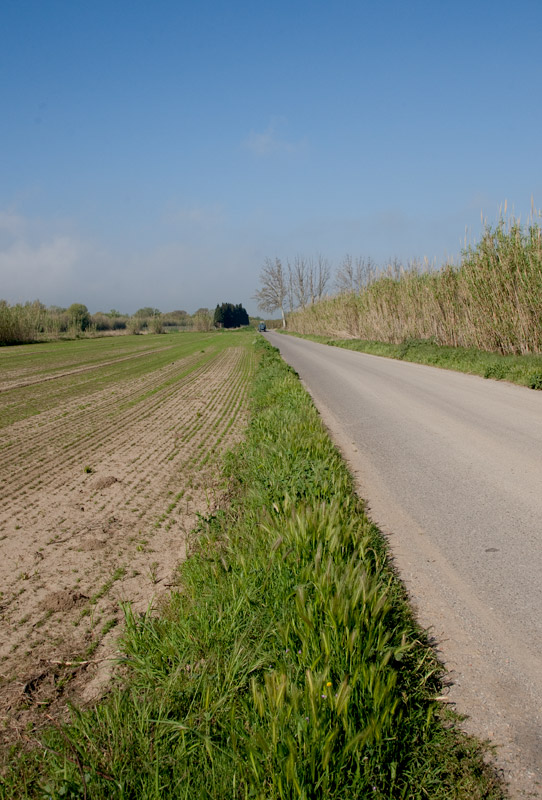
<point x="262" y="326"/>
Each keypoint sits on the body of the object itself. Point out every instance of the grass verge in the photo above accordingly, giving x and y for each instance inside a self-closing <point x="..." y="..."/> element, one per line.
<point x="288" y="666"/>
<point x="524" y="370"/>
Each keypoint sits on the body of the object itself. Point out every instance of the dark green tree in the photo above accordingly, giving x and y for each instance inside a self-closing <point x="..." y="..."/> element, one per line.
<point x="229" y="316"/>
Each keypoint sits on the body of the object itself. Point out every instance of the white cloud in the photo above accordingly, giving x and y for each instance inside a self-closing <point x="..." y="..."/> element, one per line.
<point x="270" y="142"/>
<point x="28" y="271"/>
<point x="38" y="259"/>
<point x="196" y="216"/>
<point x="10" y="223"/>
<point x="193" y="265"/>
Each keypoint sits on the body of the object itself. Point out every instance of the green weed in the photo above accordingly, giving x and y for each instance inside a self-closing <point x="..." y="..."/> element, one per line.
<point x="287" y="665"/>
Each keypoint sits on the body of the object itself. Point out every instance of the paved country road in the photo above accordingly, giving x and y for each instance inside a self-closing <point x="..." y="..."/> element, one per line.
<point x="451" y="468"/>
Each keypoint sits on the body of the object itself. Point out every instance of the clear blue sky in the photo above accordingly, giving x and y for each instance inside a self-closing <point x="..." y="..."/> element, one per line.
<point x="154" y="153"/>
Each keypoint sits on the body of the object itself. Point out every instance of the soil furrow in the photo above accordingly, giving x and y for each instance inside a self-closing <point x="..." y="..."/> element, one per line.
<point x="77" y="370"/>
<point x="44" y="439"/>
<point x="75" y="544"/>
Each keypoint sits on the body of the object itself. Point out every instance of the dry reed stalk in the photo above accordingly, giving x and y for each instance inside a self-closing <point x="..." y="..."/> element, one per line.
<point x="492" y="300"/>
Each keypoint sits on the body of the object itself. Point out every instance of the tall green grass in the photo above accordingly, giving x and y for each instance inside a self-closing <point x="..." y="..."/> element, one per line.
<point x="287" y="666"/>
<point x="491" y="301"/>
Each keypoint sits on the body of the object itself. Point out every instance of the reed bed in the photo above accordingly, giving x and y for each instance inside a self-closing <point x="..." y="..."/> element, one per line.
<point x="34" y="322"/>
<point x="491" y="301"/>
<point x="17" y="324"/>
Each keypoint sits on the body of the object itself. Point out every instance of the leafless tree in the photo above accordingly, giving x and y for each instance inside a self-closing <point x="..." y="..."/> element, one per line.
<point x="308" y="280"/>
<point x="299" y="279"/>
<point x="274" y="289"/>
<point x="354" y="275"/>
<point x="319" y="275"/>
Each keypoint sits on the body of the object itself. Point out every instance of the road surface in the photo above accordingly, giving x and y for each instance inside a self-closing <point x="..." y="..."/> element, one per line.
<point x="451" y="467"/>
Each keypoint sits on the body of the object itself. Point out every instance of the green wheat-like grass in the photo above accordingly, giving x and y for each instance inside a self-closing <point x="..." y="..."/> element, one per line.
<point x="288" y="665"/>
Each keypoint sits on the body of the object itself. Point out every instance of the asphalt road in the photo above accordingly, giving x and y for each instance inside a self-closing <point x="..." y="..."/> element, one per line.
<point x="451" y="467"/>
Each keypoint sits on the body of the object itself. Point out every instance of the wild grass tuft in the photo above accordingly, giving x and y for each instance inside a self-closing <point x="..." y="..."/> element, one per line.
<point x="287" y="666"/>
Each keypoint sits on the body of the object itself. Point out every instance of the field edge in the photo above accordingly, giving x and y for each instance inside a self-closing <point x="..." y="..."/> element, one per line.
<point x="249" y="683"/>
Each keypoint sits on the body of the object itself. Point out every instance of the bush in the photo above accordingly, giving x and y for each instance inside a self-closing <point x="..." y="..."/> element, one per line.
<point x="134" y="325"/>
<point x="156" y="325"/>
<point x="101" y="322"/>
<point x="79" y="316"/>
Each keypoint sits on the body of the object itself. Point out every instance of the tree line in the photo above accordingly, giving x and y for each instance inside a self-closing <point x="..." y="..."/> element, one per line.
<point x="229" y="316"/>
<point x="304" y="281"/>
<point x="34" y="321"/>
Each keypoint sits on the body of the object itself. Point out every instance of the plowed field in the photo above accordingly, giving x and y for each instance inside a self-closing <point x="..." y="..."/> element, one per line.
<point x="109" y="450"/>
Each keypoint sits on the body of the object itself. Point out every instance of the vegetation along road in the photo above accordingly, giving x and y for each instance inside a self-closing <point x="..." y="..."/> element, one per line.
<point x="451" y="467"/>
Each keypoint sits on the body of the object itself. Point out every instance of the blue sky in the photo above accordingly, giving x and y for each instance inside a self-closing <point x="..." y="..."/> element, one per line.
<point x="154" y="154"/>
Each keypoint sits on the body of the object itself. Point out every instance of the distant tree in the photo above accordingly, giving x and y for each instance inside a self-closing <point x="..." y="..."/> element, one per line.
<point x="307" y="280"/>
<point x="147" y="312"/>
<point x="274" y="291"/>
<point x="355" y="275"/>
<point x="176" y="318"/>
<point x="228" y="315"/>
<point x="203" y="319"/>
<point x="298" y="282"/>
<point x="241" y="316"/>
<point x="134" y="325"/>
<point x="79" y="316"/>
<point x="319" y="275"/>
<point x="156" y="324"/>
<point x="101" y="321"/>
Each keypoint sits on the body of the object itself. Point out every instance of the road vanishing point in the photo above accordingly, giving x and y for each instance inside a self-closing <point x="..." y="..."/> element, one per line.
<point x="451" y="468"/>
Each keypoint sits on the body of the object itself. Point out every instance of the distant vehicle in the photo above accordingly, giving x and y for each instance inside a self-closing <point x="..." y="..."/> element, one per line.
<point x="262" y="326"/>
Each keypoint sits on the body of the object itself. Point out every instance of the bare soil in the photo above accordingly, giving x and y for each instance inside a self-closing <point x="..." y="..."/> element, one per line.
<point x="97" y="496"/>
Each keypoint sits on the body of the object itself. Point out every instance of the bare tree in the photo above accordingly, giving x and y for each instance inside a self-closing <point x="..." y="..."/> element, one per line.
<point x="274" y="289"/>
<point x="307" y="280"/>
<point x="355" y="275"/>
<point x="319" y="273"/>
<point x="291" y="293"/>
<point x="299" y="278"/>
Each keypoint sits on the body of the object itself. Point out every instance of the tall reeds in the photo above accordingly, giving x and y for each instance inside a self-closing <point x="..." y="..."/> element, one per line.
<point x="492" y="300"/>
<point x="17" y="323"/>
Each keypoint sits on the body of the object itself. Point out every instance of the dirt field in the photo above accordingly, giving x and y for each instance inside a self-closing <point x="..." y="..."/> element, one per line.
<point x="108" y="452"/>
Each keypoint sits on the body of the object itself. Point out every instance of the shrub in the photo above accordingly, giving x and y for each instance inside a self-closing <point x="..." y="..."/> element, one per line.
<point x="79" y="316"/>
<point x="156" y="325"/>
